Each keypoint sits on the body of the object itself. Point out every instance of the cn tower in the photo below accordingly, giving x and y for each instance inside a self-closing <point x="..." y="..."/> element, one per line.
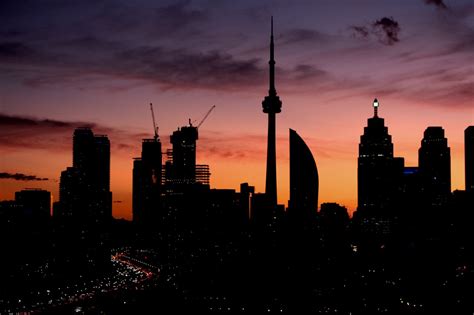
<point x="271" y="106"/>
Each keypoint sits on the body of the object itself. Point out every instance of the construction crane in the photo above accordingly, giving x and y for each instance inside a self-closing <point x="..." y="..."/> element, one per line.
<point x="155" y="128"/>
<point x="205" y="116"/>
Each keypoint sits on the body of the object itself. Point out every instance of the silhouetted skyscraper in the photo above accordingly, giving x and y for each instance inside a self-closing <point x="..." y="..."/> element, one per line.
<point x="469" y="157"/>
<point x="181" y="168"/>
<point x="379" y="173"/>
<point x="271" y="106"/>
<point x="147" y="173"/>
<point x="184" y="154"/>
<point x="85" y="188"/>
<point x="434" y="160"/>
<point x="71" y="200"/>
<point x="304" y="179"/>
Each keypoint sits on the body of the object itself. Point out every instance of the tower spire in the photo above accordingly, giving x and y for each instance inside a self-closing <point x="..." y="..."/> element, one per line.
<point x="376" y="107"/>
<point x="271" y="62"/>
<point x="271" y="105"/>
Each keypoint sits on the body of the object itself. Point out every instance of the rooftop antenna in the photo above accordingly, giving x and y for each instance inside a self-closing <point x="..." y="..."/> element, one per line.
<point x="376" y="107"/>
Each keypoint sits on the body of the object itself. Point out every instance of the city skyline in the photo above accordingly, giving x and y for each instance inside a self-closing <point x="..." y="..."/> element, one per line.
<point x="141" y="170"/>
<point x="41" y="106"/>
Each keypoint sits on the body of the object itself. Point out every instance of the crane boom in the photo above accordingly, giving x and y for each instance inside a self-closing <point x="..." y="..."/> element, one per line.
<point x="205" y="116"/>
<point x="155" y="128"/>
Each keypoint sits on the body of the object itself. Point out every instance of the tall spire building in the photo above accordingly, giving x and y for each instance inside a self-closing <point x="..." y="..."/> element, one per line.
<point x="271" y="106"/>
<point x="378" y="171"/>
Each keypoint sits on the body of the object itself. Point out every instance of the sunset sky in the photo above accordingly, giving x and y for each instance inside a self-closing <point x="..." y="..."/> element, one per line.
<point x="71" y="63"/>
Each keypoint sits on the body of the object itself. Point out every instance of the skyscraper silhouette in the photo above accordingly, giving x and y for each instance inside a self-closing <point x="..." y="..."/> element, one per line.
<point x="435" y="165"/>
<point x="271" y="106"/>
<point x="147" y="172"/>
<point x="181" y="168"/>
<point x="469" y="157"/>
<point x="184" y="154"/>
<point x="304" y="179"/>
<point x="378" y="171"/>
<point x="88" y="181"/>
<point x="70" y="199"/>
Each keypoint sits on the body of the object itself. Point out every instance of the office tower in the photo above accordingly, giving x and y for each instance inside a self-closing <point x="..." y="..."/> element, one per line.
<point x="91" y="156"/>
<point x="184" y="154"/>
<point x="70" y="196"/>
<point x="103" y="198"/>
<point x="85" y="187"/>
<point x="83" y="151"/>
<point x="304" y="179"/>
<point x="147" y="172"/>
<point x="435" y="165"/>
<point x="181" y="169"/>
<point x="271" y="106"/>
<point x="35" y="204"/>
<point x="379" y="173"/>
<point x="469" y="157"/>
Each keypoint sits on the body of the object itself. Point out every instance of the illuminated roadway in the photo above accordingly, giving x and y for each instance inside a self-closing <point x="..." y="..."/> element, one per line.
<point x="127" y="273"/>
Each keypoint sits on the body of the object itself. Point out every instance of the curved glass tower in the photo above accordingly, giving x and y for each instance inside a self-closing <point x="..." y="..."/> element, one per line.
<point x="304" y="178"/>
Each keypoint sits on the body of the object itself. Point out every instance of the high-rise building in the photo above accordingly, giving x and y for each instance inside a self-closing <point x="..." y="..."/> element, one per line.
<point x="35" y="203"/>
<point x="184" y="154"/>
<point x="70" y="194"/>
<point x="304" y="179"/>
<point x="147" y="172"/>
<point x="379" y="173"/>
<point x="181" y="169"/>
<point x="85" y="187"/>
<point x="434" y="161"/>
<point x="469" y="157"/>
<point x="84" y="210"/>
<point x="271" y="106"/>
<point x="83" y="150"/>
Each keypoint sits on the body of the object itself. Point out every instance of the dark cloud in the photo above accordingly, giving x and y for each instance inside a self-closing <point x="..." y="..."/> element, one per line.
<point x="176" y="68"/>
<point x="6" y="121"/>
<point x="106" y="38"/>
<point x="24" y="133"/>
<point x="22" y="177"/>
<point x="14" y="51"/>
<point x="17" y="132"/>
<point x="387" y="30"/>
<point x="184" y="68"/>
<point x="438" y="3"/>
<point x="361" y="31"/>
